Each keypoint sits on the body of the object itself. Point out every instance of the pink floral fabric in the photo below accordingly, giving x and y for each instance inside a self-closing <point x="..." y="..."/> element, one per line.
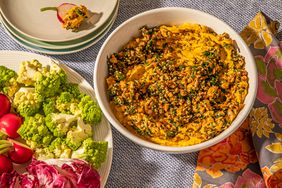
<point x="261" y="133"/>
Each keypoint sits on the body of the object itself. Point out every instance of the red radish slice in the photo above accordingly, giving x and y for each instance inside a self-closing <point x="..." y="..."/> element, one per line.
<point x="21" y="153"/>
<point x="6" y="164"/>
<point x="9" y="124"/>
<point x="5" y="105"/>
<point x="61" y="10"/>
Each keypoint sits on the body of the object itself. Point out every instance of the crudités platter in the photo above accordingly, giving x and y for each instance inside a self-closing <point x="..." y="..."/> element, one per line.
<point x="102" y="131"/>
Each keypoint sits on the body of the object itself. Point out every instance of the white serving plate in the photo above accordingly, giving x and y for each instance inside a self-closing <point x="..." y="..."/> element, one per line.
<point x="26" y="17"/>
<point x="102" y="131"/>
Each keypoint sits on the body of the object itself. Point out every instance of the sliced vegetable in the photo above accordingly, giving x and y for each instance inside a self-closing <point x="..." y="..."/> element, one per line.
<point x="5" y="104"/>
<point x="61" y="10"/>
<point x="10" y="123"/>
<point x="6" y="164"/>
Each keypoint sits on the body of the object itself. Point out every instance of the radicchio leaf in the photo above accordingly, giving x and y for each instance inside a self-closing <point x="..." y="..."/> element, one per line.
<point x="87" y="176"/>
<point x="9" y="179"/>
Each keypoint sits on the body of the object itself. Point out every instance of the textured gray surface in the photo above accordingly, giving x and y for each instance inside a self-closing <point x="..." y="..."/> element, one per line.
<point x="134" y="166"/>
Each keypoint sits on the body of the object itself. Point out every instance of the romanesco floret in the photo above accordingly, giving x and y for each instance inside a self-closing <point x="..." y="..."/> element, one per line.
<point x="49" y="83"/>
<point x="73" y="89"/>
<point x="77" y="134"/>
<point x="66" y="102"/>
<point x="8" y="81"/>
<point x="90" y="111"/>
<point x="49" y="106"/>
<point x="94" y="152"/>
<point x="59" y="148"/>
<point x="43" y="154"/>
<point x="48" y="86"/>
<point x="34" y="129"/>
<point x="60" y="124"/>
<point x="27" y="102"/>
<point x="28" y="71"/>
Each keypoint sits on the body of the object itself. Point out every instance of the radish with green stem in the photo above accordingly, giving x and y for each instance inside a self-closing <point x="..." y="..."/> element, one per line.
<point x="61" y="10"/>
<point x="70" y="15"/>
<point x="17" y="152"/>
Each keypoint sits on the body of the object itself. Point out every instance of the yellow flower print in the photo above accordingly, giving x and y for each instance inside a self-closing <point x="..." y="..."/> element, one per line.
<point x="265" y="172"/>
<point x="249" y="35"/>
<point x="197" y="181"/>
<point x="272" y="180"/>
<point x="259" y="32"/>
<point x="260" y="123"/>
<point x="278" y="136"/>
<point x="259" y="25"/>
<point x="277" y="165"/>
<point x="210" y="186"/>
<point x="274" y="147"/>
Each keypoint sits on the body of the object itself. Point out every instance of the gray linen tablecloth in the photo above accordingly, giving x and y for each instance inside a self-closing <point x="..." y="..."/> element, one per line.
<point x="134" y="166"/>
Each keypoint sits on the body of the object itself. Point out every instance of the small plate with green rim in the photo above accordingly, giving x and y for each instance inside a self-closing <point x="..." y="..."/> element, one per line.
<point x="61" y="51"/>
<point x="26" y="18"/>
<point x="59" y="45"/>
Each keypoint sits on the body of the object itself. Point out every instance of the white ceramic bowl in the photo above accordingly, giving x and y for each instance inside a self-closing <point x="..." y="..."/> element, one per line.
<point x="172" y="16"/>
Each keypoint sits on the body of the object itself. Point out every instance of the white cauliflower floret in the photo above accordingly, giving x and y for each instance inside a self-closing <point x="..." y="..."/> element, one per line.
<point x="28" y="71"/>
<point x="60" y="124"/>
<point x="77" y="134"/>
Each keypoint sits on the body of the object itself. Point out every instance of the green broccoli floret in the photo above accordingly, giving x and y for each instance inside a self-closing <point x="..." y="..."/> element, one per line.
<point x="8" y="81"/>
<point x="28" y="71"/>
<point x="76" y="135"/>
<point x="35" y="131"/>
<point x="94" y="152"/>
<point x="59" y="148"/>
<point x="90" y="111"/>
<point x="27" y="102"/>
<point x="60" y="124"/>
<point x="49" y="83"/>
<point x="49" y="106"/>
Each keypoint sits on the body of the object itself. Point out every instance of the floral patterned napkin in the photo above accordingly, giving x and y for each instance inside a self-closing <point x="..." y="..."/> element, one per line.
<point x="252" y="156"/>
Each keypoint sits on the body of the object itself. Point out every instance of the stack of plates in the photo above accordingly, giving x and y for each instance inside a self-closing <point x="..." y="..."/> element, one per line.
<point x="42" y="31"/>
